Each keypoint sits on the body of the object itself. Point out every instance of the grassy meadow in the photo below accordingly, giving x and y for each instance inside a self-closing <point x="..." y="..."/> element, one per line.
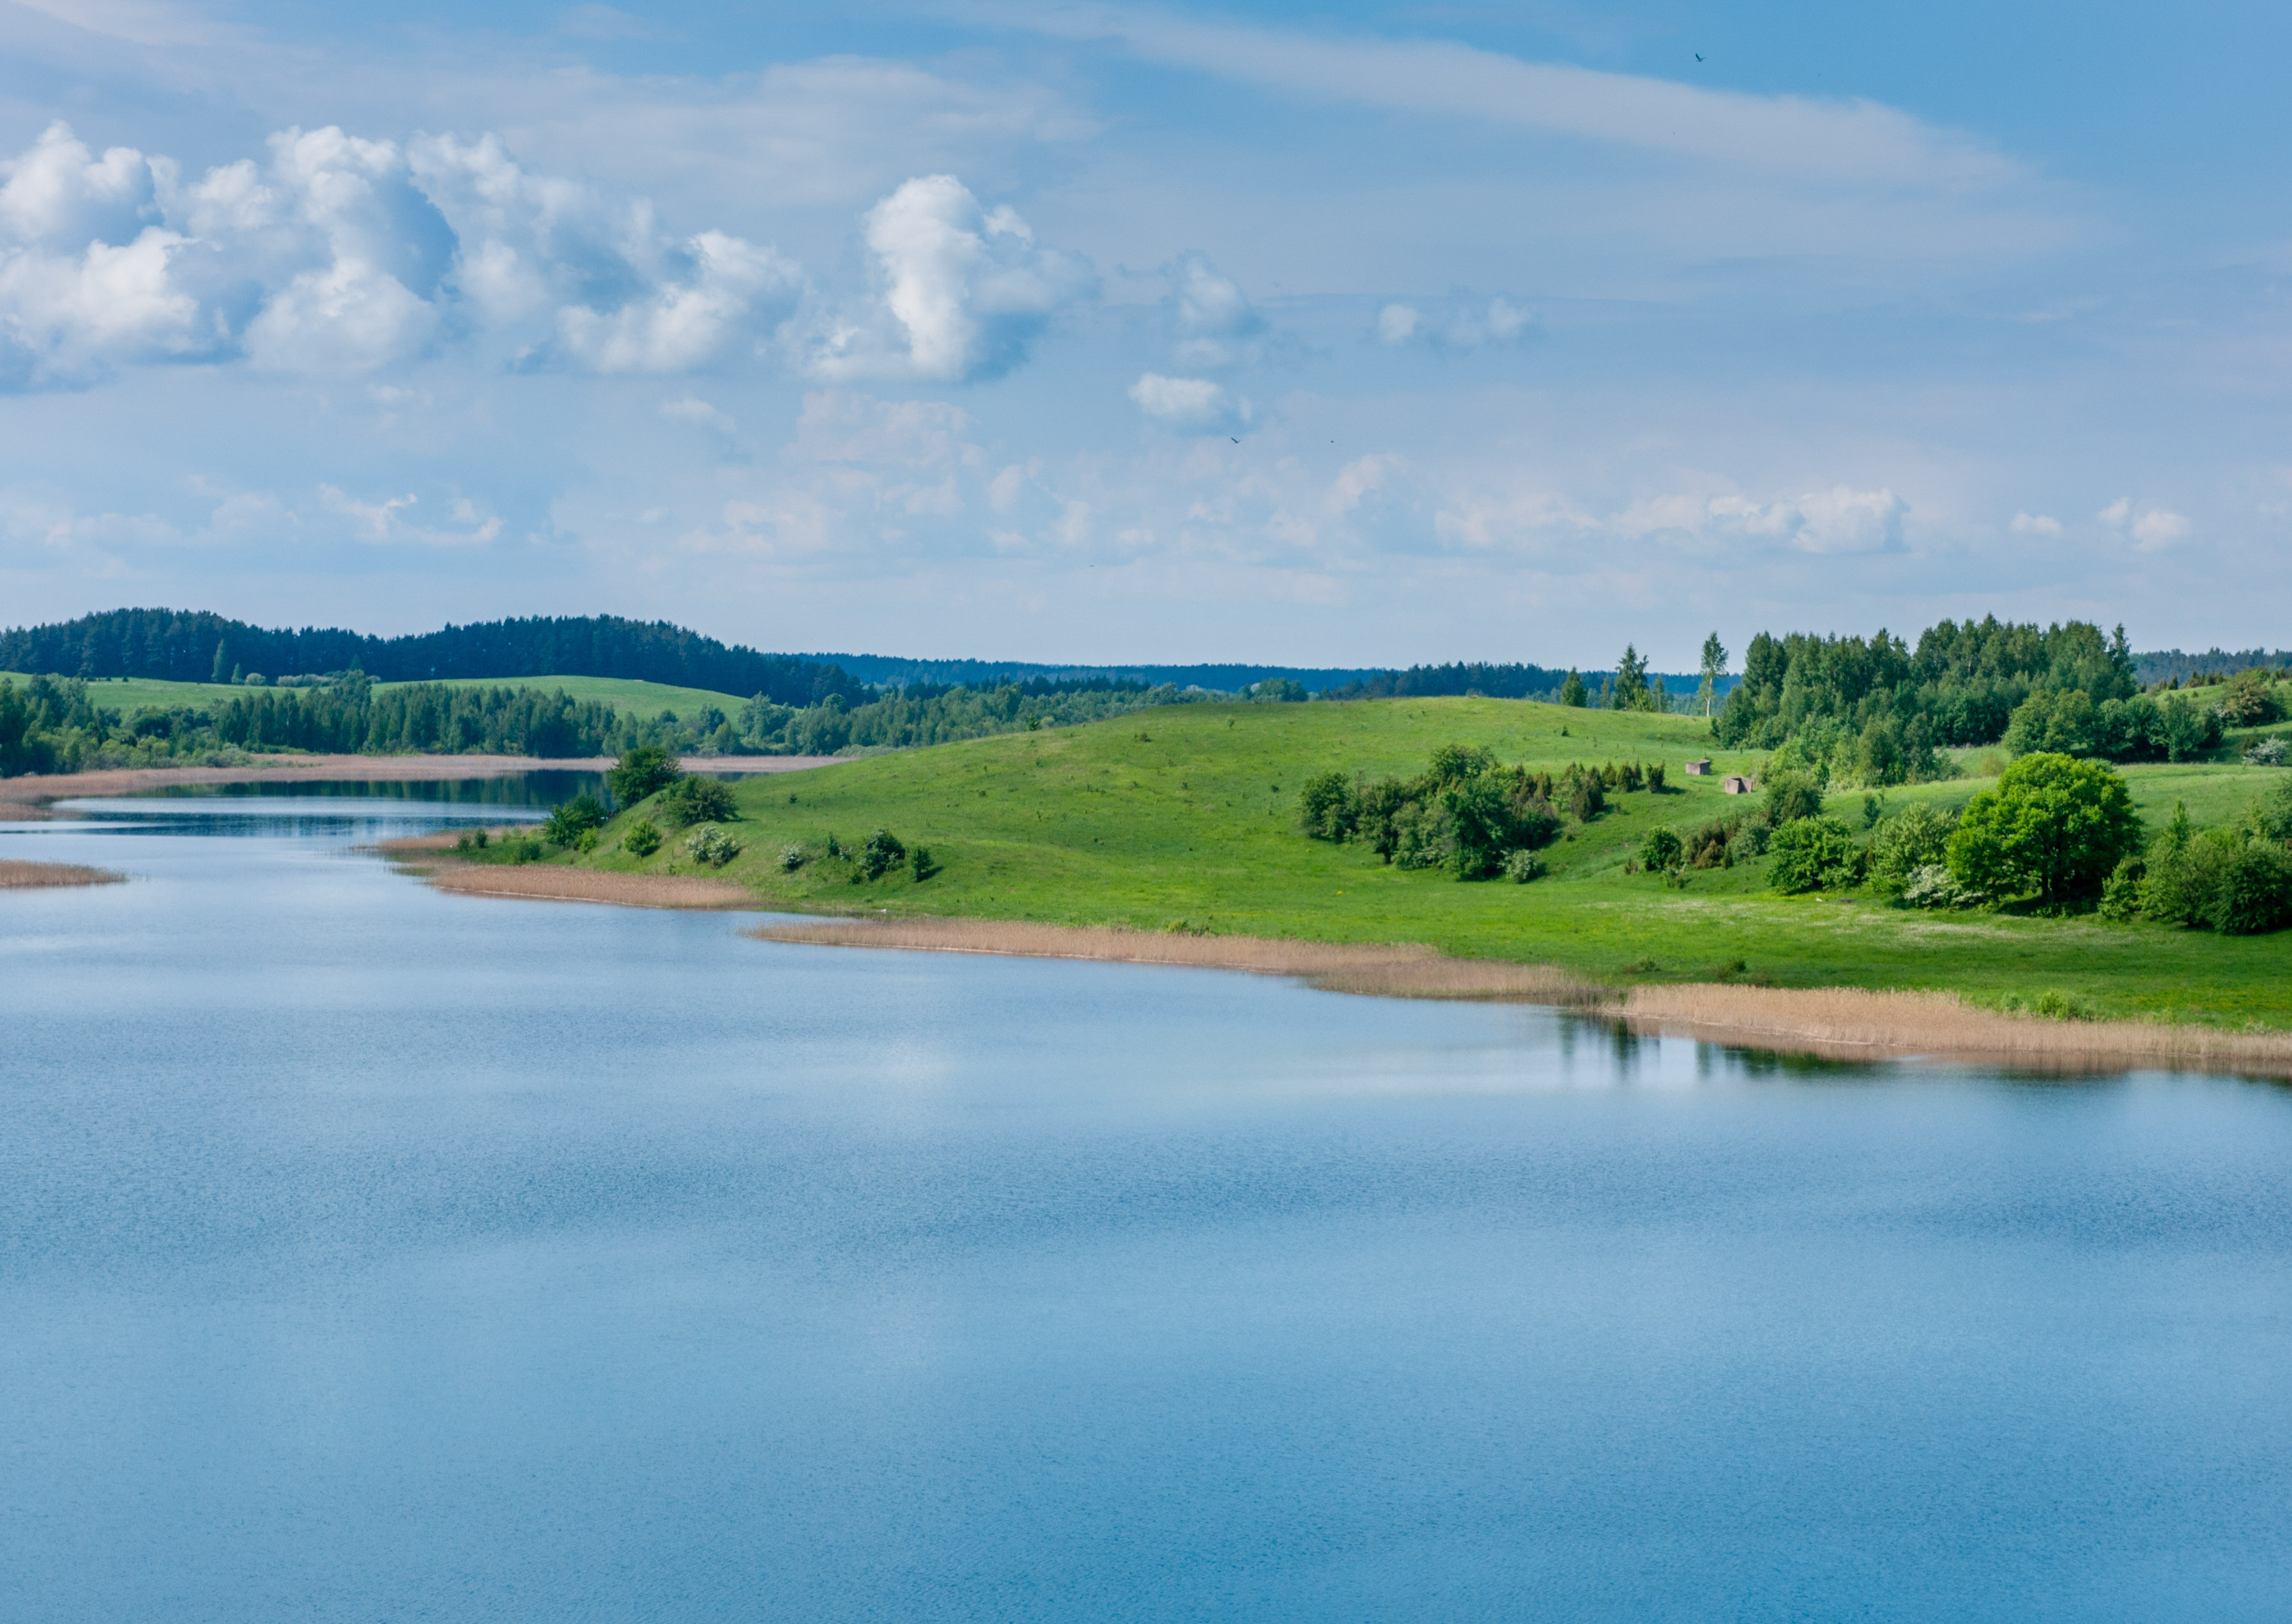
<point x="1185" y="819"/>
<point x="646" y="700"/>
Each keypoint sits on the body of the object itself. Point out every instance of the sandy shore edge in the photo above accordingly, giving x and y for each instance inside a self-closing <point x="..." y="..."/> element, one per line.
<point x="430" y="857"/>
<point x="18" y="874"/>
<point x="1831" y="1023"/>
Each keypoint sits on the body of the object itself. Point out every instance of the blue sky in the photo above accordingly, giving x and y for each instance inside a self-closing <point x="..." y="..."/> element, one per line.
<point x="1330" y="336"/>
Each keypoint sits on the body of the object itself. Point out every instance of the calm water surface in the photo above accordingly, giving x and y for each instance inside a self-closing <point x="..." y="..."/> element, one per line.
<point x="372" y="1254"/>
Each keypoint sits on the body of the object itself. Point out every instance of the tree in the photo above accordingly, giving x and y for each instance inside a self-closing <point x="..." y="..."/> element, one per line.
<point x="1571" y="691"/>
<point x="2053" y="827"/>
<point x="1327" y="809"/>
<point x="1631" y="689"/>
<point x="1714" y="667"/>
<point x="644" y="770"/>
<point x="221" y="668"/>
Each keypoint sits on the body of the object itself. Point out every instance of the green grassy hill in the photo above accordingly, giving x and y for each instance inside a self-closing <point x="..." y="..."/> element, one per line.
<point x="1186" y="818"/>
<point x="128" y="695"/>
<point x="645" y="700"/>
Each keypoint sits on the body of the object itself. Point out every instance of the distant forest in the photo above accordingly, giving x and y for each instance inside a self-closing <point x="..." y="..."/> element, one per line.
<point x="185" y="646"/>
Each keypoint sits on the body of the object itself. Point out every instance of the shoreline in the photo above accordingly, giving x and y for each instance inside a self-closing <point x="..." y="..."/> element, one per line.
<point x="30" y="795"/>
<point x="1828" y="1022"/>
<point x="1844" y="1024"/>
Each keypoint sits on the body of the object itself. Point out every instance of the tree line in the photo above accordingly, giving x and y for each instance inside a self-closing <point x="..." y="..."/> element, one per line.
<point x="196" y="647"/>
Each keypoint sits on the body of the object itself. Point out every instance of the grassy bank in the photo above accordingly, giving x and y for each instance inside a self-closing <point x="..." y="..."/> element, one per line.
<point x="1184" y="820"/>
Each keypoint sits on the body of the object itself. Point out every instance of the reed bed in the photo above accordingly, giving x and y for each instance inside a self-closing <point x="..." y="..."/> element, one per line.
<point x="1398" y="970"/>
<point x="1845" y="1023"/>
<point x="17" y="875"/>
<point x="550" y="883"/>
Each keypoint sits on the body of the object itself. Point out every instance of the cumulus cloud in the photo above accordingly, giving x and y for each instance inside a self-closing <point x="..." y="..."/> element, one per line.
<point x="343" y="255"/>
<point x="2035" y="524"/>
<point x="1837" y="520"/>
<point x="2151" y="529"/>
<point x="1458" y="326"/>
<point x="1198" y="405"/>
<point x="698" y="412"/>
<point x="961" y="291"/>
<point x="1818" y="521"/>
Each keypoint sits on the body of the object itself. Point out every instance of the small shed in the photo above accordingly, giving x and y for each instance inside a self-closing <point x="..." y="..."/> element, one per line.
<point x="1735" y="783"/>
<point x="1700" y="768"/>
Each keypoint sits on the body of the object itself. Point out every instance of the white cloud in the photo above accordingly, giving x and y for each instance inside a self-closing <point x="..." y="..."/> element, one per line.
<point x="1198" y="405"/>
<point x="1837" y="520"/>
<point x="2158" y="529"/>
<point x="1459" y="327"/>
<point x="2035" y="524"/>
<point x="690" y="322"/>
<point x="2152" y="529"/>
<point x="962" y="291"/>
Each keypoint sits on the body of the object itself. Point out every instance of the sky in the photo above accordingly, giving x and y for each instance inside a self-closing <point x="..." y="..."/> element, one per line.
<point x="1349" y="334"/>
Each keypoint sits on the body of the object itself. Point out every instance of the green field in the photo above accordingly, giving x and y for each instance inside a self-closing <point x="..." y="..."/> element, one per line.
<point x="645" y="699"/>
<point x="1184" y="818"/>
<point x="128" y="695"/>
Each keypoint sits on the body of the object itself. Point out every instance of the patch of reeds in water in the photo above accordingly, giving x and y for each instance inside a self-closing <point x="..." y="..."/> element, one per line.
<point x="1845" y="1023"/>
<point x="554" y="884"/>
<point x="1401" y="970"/>
<point x="19" y="876"/>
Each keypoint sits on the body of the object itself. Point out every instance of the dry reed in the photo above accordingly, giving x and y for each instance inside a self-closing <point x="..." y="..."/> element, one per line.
<point x="1397" y="970"/>
<point x="550" y="883"/>
<point x="16" y="874"/>
<point x="1845" y="1023"/>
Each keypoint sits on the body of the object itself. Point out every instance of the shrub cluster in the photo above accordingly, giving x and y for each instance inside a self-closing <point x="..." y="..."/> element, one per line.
<point x="2237" y="881"/>
<point x="1467" y="812"/>
<point x="693" y="799"/>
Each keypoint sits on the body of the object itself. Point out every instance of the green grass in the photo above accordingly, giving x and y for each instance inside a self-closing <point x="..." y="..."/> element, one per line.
<point x="1185" y="818"/>
<point x="128" y="695"/>
<point x="646" y="700"/>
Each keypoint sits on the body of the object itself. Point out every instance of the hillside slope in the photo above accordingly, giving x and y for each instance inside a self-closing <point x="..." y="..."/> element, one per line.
<point x="1186" y="819"/>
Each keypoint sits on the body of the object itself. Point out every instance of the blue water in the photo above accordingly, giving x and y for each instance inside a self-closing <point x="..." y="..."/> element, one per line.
<point x="367" y="1253"/>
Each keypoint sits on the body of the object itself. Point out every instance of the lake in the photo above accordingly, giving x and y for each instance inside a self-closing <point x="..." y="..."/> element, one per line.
<point x="368" y="1253"/>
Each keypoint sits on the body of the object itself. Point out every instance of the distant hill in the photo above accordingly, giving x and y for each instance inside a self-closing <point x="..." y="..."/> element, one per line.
<point x="191" y="647"/>
<point x="2168" y="663"/>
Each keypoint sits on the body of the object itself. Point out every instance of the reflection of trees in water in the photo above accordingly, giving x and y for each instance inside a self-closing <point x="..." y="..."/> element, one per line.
<point x="514" y="789"/>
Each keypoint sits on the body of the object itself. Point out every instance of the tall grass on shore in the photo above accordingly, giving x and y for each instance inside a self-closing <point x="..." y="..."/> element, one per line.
<point x="1397" y="970"/>
<point x="17" y="875"/>
<point x="1847" y="1022"/>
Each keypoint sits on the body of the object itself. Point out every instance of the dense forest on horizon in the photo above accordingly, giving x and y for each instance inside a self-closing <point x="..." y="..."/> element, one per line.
<point x="188" y="646"/>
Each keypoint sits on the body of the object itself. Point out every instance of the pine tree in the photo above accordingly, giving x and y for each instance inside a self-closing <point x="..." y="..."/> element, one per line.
<point x="1631" y="689"/>
<point x="1571" y="691"/>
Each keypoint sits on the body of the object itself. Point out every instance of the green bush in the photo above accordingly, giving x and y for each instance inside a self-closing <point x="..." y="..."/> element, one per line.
<point x="2252" y="887"/>
<point x="791" y="858"/>
<point x="1813" y="854"/>
<point x="879" y="854"/>
<point x="1661" y="850"/>
<point x="920" y="863"/>
<point x="1710" y="846"/>
<point x="1522" y="867"/>
<point x="1327" y="809"/>
<point x="1791" y="796"/>
<point x="1931" y="886"/>
<point x="2120" y="893"/>
<point x="641" y="838"/>
<point x="2053" y="827"/>
<point x="576" y="817"/>
<point x="1914" y="838"/>
<point x="693" y="799"/>
<point x="645" y="771"/>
